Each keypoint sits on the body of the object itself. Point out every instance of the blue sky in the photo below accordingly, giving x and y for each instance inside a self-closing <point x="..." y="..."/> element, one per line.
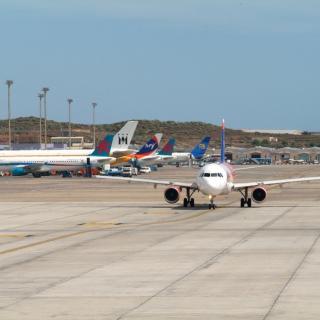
<point x="254" y="62"/>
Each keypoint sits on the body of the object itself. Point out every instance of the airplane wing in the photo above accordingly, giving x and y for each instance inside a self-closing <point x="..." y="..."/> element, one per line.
<point x="242" y="185"/>
<point x="104" y="160"/>
<point x="245" y="168"/>
<point x="154" y="182"/>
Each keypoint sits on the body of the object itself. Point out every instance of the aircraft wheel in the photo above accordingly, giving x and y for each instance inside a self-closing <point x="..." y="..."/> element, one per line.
<point x="192" y="202"/>
<point x="185" y="202"/>
<point x="242" y="202"/>
<point x="210" y="206"/>
<point x="249" y="203"/>
<point x="36" y="175"/>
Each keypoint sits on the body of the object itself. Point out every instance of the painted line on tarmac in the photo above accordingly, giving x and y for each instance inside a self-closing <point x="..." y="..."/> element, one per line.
<point x="43" y="242"/>
<point x="105" y="226"/>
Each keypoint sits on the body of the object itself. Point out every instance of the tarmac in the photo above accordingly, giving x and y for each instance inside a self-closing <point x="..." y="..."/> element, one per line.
<point x="94" y="249"/>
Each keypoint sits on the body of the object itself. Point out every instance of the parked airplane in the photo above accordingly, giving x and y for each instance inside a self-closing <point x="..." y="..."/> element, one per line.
<point x="213" y="180"/>
<point x="147" y="150"/>
<point x="197" y="152"/>
<point x="120" y="147"/>
<point x="39" y="165"/>
<point x="163" y="156"/>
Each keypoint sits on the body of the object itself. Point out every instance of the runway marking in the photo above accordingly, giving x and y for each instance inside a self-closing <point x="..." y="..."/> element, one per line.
<point x="100" y="224"/>
<point x="106" y="226"/>
<point x="43" y="242"/>
<point x="295" y="271"/>
<point x="13" y="235"/>
<point x="205" y="264"/>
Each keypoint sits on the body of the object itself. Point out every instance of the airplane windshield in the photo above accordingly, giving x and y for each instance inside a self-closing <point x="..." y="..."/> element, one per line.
<point x="214" y="174"/>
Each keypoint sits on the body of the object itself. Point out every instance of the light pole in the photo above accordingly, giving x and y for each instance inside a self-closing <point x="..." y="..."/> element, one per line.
<point x="69" y="102"/>
<point x="45" y="91"/>
<point x="9" y="84"/>
<point x="40" y="95"/>
<point x="94" y="104"/>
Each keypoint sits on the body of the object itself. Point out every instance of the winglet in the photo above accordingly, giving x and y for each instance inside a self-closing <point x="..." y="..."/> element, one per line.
<point x="104" y="147"/>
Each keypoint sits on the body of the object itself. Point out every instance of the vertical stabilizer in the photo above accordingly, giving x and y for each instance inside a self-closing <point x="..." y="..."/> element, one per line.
<point x="104" y="147"/>
<point x="151" y="146"/>
<point x="168" y="148"/>
<point x="200" y="149"/>
<point x="223" y="144"/>
<point x="122" y="139"/>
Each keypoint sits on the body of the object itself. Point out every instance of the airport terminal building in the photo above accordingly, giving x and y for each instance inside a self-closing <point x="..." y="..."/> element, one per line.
<point x="273" y="155"/>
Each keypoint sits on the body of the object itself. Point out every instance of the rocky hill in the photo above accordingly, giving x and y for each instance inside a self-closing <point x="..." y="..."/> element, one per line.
<point x="187" y="134"/>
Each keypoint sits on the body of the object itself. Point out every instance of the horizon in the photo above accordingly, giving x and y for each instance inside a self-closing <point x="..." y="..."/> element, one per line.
<point x="168" y="120"/>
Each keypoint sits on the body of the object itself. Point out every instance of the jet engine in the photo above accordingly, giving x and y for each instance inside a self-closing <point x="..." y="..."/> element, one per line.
<point x="19" y="171"/>
<point x="172" y="195"/>
<point x="259" y="194"/>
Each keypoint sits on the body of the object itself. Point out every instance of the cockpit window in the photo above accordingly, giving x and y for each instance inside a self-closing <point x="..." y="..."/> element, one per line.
<point x="213" y="174"/>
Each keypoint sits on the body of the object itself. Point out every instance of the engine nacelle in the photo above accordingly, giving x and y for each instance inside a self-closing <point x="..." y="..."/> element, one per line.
<point x="172" y="195"/>
<point x="259" y="194"/>
<point x="18" y="171"/>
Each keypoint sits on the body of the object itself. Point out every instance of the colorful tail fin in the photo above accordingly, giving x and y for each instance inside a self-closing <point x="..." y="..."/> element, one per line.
<point x="122" y="139"/>
<point x="104" y="147"/>
<point x="200" y="149"/>
<point x="168" y="148"/>
<point x="151" y="146"/>
<point x="223" y="145"/>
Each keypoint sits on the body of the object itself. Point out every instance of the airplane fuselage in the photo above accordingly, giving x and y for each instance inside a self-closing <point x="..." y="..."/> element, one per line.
<point x="48" y="163"/>
<point x="214" y="179"/>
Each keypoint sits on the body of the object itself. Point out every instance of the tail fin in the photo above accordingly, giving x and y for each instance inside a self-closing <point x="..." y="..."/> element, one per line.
<point x="151" y="146"/>
<point x="168" y="148"/>
<point x="104" y="147"/>
<point x="122" y="139"/>
<point x="223" y="145"/>
<point x="200" y="149"/>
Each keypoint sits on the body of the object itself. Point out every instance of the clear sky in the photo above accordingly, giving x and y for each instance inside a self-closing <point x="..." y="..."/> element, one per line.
<point x="254" y="62"/>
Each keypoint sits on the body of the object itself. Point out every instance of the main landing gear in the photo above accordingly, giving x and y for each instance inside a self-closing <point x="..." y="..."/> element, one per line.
<point x="189" y="199"/>
<point x="245" y="200"/>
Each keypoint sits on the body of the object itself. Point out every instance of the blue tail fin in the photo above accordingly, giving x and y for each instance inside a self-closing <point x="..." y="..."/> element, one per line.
<point x="168" y="148"/>
<point x="223" y="145"/>
<point x="104" y="147"/>
<point x="200" y="149"/>
<point x="151" y="146"/>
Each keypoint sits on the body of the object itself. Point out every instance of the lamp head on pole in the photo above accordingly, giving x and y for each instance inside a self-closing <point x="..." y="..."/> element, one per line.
<point x="94" y="104"/>
<point x="45" y="90"/>
<point x="9" y="83"/>
<point x="70" y="100"/>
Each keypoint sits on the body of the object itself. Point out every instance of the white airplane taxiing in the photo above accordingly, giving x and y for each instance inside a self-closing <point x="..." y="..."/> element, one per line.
<point x="213" y="180"/>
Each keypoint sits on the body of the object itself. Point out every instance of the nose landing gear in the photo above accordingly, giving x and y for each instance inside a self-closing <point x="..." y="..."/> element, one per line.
<point x="211" y="204"/>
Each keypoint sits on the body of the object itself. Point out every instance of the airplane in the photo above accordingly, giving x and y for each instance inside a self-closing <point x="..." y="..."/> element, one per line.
<point x="197" y="152"/>
<point x="163" y="156"/>
<point x="40" y="165"/>
<point x="120" y="146"/>
<point x="147" y="150"/>
<point x="213" y="180"/>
